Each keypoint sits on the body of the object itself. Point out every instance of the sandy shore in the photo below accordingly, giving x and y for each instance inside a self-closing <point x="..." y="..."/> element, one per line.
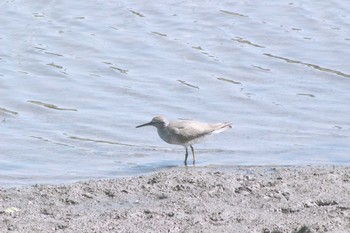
<point x="238" y="199"/>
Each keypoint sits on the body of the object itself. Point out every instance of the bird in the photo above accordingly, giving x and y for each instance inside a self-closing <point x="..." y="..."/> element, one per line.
<point x="185" y="132"/>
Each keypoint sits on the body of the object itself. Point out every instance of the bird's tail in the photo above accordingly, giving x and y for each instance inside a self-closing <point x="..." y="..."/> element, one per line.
<point x="221" y="127"/>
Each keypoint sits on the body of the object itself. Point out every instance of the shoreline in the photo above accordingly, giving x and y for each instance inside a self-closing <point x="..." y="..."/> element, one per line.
<point x="193" y="199"/>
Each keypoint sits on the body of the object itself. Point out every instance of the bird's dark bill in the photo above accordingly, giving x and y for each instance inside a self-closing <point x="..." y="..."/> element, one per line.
<point x="149" y="123"/>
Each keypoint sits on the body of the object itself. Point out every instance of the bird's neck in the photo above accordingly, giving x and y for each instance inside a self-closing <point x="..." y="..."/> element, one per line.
<point x="163" y="133"/>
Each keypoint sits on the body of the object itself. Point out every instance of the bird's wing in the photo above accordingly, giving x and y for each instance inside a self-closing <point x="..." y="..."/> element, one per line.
<point x="186" y="130"/>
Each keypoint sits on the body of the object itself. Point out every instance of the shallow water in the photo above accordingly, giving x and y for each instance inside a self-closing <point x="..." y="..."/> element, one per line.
<point x="76" y="78"/>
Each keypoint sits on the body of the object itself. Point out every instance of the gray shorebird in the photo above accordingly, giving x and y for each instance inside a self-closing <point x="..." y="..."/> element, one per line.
<point x="185" y="132"/>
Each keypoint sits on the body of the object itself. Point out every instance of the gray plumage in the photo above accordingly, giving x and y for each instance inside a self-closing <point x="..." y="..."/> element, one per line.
<point x="185" y="132"/>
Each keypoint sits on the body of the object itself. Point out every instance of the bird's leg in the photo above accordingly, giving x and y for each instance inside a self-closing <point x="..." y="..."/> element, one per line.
<point x="186" y="155"/>
<point x="194" y="157"/>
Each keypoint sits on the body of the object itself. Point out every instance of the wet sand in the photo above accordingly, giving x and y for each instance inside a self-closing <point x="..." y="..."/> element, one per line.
<point x="213" y="199"/>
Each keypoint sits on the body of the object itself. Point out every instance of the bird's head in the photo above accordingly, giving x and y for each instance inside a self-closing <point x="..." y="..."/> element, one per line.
<point x="158" y="121"/>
